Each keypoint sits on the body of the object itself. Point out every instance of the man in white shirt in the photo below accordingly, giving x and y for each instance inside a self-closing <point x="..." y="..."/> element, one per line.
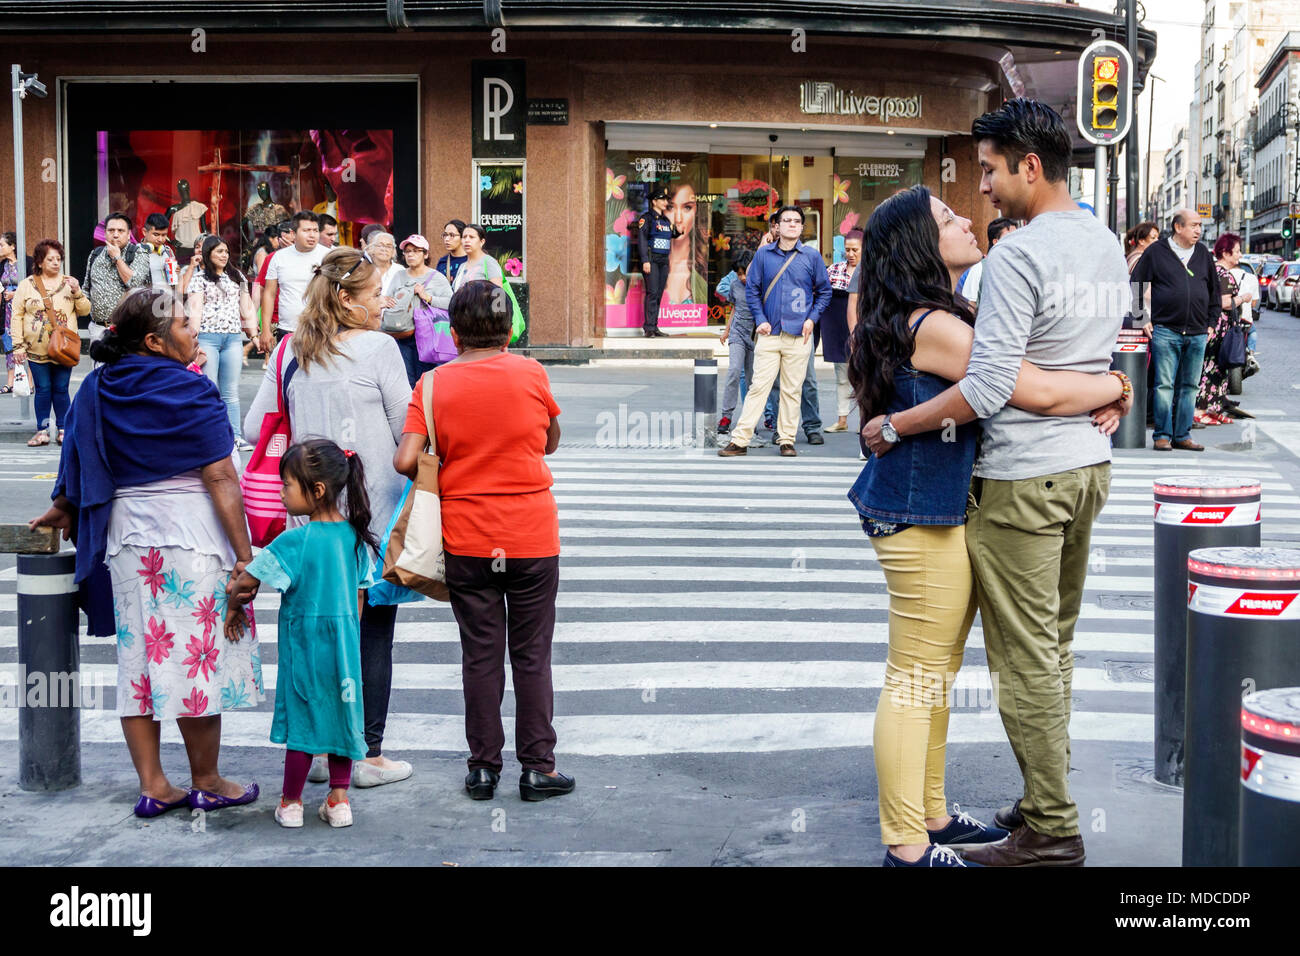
<point x="287" y="276"/>
<point x="158" y="251"/>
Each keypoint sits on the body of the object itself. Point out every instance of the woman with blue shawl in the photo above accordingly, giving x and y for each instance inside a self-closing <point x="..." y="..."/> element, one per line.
<point x="148" y="492"/>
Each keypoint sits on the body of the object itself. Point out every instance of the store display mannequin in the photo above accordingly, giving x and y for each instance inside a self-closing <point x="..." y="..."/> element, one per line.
<point x="331" y="207"/>
<point x="264" y="214"/>
<point x="188" y="217"/>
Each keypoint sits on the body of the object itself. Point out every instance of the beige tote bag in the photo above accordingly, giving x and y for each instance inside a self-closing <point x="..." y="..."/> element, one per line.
<point x="414" y="558"/>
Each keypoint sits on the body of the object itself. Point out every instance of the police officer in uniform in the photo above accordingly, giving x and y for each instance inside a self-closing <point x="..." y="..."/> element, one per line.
<point x="654" y="237"/>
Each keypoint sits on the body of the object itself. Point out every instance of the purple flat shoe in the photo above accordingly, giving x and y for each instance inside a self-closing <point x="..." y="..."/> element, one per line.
<point x="204" y="800"/>
<point x="149" y="807"/>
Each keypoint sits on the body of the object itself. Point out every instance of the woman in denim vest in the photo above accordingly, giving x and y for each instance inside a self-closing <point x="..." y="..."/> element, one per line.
<point x="912" y="341"/>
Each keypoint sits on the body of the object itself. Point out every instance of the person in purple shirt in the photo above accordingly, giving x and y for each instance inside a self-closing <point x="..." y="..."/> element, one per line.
<point x="787" y="290"/>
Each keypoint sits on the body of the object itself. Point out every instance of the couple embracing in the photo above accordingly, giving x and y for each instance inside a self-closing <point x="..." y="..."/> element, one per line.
<point x="1001" y="521"/>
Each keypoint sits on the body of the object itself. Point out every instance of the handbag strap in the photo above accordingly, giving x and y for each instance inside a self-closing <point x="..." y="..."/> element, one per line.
<point x="428" y="410"/>
<point x="45" y="297"/>
<point x="794" y="254"/>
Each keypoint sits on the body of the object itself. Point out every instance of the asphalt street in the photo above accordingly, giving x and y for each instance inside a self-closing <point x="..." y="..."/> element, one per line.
<point x="718" y="657"/>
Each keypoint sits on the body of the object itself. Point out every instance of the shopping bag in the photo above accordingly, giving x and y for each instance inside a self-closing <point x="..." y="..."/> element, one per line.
<point x="384" y="592"/>
<point x="433" y="341"/>
<point x="22" y="383"/>
<point x="414" y="556"/>
<point x="517" y="324"/>
<point x="260" y="482"/>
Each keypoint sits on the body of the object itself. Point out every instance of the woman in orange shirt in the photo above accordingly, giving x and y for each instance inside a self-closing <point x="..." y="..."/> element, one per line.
<point x="494" y="421"/>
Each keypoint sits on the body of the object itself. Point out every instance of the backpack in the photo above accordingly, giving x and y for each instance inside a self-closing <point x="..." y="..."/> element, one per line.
<point x="128" y="254"/>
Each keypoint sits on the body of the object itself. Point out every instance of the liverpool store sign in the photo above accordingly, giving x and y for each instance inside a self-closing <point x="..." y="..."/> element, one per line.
<point x="816" y="96"/>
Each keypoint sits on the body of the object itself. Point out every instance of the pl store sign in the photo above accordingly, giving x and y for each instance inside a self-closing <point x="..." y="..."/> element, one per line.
<point x="499" y="118"/>
<point x="817" y="96"/>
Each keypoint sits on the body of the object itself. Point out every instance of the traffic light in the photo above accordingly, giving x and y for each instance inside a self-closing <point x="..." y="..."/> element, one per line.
<point x="1288" y="228"/>
<point x="1105" y="93"/>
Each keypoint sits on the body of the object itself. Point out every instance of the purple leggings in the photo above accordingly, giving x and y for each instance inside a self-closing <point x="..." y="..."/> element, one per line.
<point x="297" y="764"/>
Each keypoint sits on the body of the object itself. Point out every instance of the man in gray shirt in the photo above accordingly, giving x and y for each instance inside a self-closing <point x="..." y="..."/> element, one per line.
<point x="1055" y="293"/>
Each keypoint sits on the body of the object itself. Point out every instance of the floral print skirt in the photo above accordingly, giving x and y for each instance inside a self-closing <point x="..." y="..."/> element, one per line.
<point x="173" y="658"/>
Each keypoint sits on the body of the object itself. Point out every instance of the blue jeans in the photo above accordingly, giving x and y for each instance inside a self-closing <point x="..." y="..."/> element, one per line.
<point x="740" y="371"/>
<point x="810" y="418"/>
<point x="225" y="352"/>
<point x="411" y="360"/>
<point x="1176" y="360"/>
<point x="50" y="383"/>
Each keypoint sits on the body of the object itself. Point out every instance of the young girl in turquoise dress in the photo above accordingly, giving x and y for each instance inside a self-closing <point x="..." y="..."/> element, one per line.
<point x="320" y="567"/>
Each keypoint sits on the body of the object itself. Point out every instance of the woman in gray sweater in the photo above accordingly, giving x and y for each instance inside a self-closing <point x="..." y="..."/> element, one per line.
<point x="344" y="380"/>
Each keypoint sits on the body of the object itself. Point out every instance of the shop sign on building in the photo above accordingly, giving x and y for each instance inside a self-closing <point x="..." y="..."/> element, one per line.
<point x="500" y="108"/>
<point x="817" y="96"/>
<point x="548" y="112"/>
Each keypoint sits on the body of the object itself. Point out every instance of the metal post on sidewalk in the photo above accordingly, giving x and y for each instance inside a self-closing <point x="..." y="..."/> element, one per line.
<point x="49" y="687"/>
<point x="1099" y="182"/>
<point x="1270" y="778"/>
<point x="706" y="403"/>
<point x="1243" y="635"/>
<point x="1130" y="357"/>
<point x="1191" y="512"/>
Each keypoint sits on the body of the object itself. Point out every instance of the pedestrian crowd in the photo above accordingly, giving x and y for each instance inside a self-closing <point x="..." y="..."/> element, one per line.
<point x="989" y="462"/>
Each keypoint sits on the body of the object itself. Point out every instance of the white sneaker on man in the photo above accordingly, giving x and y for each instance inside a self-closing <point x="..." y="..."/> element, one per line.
<point x="368" y="775"/>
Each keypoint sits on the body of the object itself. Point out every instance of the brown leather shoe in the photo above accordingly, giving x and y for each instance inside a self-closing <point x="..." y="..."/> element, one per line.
<point x="1188" y="445"/>
<point x="787" y="451"/>
<point x="1025" y="847"/>
<point x="1163" y="444"/>
<point x="732" y="450"/>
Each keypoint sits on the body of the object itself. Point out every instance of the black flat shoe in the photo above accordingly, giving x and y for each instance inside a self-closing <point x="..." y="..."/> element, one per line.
<point x="535" y="786"/>
<point x="481" y="784"/>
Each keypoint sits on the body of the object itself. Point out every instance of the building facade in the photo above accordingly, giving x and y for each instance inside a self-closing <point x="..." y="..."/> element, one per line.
<point x="1276" y="164"/>
<point x="550" y="124"/>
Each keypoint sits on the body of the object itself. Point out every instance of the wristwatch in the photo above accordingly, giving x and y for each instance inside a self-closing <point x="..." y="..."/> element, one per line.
<point x="888" y="432"/>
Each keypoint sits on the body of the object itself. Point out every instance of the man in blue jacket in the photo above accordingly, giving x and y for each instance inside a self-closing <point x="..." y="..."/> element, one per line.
<point x="787" y="290"/>
<point x="654" y="238"/>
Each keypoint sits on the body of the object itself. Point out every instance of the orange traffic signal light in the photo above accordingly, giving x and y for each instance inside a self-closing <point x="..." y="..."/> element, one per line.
<point x="1104" y="94"/>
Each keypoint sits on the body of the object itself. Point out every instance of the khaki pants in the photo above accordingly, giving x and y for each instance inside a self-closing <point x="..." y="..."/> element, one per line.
<point x="784" y="354"/>
<point x="1028" y="543"/>
<point x="931" y="606"/>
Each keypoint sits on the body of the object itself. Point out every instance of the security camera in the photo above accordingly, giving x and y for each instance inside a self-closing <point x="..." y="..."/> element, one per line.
<point x="771" y="137"/>
<point x="28" y="83"/>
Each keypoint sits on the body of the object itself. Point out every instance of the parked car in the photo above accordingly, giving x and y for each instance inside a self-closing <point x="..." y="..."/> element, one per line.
<point x="1281" y="289"/>
<point x="1266" y="273"/>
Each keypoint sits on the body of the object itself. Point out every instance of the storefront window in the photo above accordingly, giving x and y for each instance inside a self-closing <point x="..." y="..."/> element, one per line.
<point x="630" y="179"/>
<point x="860" y="184"/>
<point x="239" y="183"/>
<point x="499" y="209"/>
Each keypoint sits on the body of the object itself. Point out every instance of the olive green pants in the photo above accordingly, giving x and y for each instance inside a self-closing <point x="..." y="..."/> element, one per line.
<point x="1028" y="542"/>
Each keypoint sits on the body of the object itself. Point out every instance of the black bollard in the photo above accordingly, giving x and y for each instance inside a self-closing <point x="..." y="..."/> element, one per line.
<point x="1243" y="635"/>
<point x="49" y="718"/>
<point x="1270" y="778"/>
<point x="706" y="403"/>
<point x="1190" y="512"/>
<point x="1130" y="357"/>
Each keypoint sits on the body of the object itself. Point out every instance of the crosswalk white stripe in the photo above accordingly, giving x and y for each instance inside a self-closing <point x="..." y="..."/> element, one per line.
<point x="714" y="575"/>
<point x="667" y="632"/>
<point x="668" y="675"/>
<point x="626" y="735"/>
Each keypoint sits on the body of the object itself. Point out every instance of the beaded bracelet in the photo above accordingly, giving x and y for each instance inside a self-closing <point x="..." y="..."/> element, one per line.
<point x="1124" y="380"/>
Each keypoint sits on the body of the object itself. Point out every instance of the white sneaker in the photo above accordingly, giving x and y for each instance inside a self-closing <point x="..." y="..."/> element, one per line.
<point x="242" y="445"/>
<point x="338" y="815"/>
<point x="289" y="816"/>
<point x="368" y="775"/>
<point x="320" y="770"/>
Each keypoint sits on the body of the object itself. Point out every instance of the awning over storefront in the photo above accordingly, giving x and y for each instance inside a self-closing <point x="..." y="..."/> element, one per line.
<point x="790" y="140"/>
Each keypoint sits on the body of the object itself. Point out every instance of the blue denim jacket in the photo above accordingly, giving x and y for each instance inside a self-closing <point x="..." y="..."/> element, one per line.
<point x="925" y="479"/>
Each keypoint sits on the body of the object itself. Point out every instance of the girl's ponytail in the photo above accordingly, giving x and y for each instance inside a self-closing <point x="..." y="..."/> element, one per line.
<point x="359" y="501"/>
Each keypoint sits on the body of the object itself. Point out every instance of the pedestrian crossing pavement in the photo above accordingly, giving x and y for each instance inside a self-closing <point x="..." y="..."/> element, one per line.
<point x="711" y="606"/>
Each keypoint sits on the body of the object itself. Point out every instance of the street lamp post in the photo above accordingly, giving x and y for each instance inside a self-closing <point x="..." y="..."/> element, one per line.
<point x="23" y="83"/>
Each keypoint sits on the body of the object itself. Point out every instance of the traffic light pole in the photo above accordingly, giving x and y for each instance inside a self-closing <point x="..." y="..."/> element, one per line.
<point x="1132" y="152"/>
<point x="1112" y="204"/>
<point x="1099" y="183"/>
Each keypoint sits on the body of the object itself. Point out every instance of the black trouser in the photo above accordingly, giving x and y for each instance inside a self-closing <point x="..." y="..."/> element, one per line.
<point x="513" y="606"/>
<point x="655" y="280"/>
<point x="377" y="624"/>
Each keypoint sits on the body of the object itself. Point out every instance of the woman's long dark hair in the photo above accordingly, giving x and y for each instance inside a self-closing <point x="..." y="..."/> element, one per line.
<point x="211" y="243"/>
<point x="141" y="313"/>
<point x="342" y="474"/>
<point x="900" y="271"/>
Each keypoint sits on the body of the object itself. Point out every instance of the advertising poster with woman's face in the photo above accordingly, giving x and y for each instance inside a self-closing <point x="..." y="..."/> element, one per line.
<point x="630" y="179"/>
